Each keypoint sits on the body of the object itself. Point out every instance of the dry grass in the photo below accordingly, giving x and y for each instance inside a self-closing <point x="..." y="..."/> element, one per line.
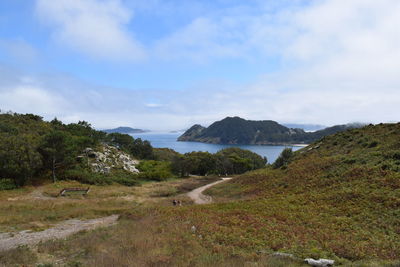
<point x="148" y="241"/>
<point x="21" y="256"/>
<point x="37" y="208"/>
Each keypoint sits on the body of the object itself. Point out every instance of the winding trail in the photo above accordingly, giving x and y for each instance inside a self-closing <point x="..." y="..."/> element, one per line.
<point x="197" y="194"/>
<point x="63" y="229"/>
<point x="60" y="230"/>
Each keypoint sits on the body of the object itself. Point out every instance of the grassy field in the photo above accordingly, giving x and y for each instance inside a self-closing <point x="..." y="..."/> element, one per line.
<point x="338" y="198"/>
<point x="37" y="208"/>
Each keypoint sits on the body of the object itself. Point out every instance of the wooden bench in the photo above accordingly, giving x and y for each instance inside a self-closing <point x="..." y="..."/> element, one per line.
<point x="80" y="191"/>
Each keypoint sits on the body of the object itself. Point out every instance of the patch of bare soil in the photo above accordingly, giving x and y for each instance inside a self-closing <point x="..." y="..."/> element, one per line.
<point x="197" y="194"/>
<point x="60" y="230"/>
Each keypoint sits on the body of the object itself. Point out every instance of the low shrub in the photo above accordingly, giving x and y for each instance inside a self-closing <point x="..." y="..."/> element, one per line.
<point x="123" y="178"/>
<point x="87" y="177"/>
<point x="7" y="184"/>
<point x="284" y="158"/>
<point x="20" y="256"/>
<point x="155" y="170"/>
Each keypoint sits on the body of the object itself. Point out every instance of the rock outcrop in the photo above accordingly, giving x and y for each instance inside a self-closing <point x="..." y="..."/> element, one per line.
<point x="108" y="158"/>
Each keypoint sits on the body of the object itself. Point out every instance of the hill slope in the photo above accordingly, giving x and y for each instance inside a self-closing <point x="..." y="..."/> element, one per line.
<point x="235" y="130"/>
<point x="338" y="198"/>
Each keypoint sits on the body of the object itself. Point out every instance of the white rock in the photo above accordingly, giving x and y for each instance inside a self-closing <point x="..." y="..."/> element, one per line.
<point x="320" y="262"/>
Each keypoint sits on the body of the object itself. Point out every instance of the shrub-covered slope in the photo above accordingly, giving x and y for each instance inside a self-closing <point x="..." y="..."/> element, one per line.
<point x="338" y="198"/>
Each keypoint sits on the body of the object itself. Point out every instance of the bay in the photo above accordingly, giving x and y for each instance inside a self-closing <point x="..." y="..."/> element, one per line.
<point x="169" y="140"/>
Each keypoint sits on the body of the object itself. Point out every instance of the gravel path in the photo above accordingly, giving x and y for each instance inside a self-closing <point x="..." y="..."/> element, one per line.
<point x="60" y="230"/>
<point x="197" y="194"/>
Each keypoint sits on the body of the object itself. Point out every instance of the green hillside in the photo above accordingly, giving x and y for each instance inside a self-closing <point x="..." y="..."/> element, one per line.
<point x="235" y="130"/>
<point x="338" y="198"/>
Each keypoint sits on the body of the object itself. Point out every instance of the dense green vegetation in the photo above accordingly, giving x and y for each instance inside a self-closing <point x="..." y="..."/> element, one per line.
<point x="138" y="148"/>
<point x="33" y="150"/>
<point x="235" y="130"/>
<point x="226" y="162"/>
<point x="284" y="158"/>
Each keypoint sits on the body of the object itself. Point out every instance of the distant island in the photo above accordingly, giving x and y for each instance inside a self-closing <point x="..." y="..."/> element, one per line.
<point x="235" y="130"/>
<point x="125" y="130"/>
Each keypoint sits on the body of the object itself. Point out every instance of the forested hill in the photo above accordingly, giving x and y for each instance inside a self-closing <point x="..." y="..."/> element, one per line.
<point x="32" y="149"/>
<point x="235" y="130"/>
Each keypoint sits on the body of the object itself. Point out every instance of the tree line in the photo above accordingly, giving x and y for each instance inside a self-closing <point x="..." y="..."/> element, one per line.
<point x="33" y="150"/>
<point x="225" y="162"/>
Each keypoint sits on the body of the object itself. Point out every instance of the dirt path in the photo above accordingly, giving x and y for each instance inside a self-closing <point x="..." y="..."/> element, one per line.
<point x="60" y="230"/>
<point x="36" y="194"/>
<point x="197" y="194"/>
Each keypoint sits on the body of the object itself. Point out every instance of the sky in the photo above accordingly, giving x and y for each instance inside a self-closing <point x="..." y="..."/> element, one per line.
<point x="168" y="64"/>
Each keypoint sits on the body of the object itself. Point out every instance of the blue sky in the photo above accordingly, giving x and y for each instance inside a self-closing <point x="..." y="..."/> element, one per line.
<point x="165" y="65"/>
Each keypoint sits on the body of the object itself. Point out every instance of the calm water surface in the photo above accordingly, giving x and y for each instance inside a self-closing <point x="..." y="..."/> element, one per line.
<point x="169" y="140"/>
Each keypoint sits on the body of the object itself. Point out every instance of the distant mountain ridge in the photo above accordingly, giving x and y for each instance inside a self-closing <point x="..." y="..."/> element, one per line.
<point x="125" y="130"/>
<point x="235" y="130"/>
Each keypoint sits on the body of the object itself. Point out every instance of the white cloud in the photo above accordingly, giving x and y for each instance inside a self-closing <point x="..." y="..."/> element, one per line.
<point x="340" y="64"/>
<point x="201" y="40"/>
<point x="31" y="99"/>
<point x="18" y="50"/>
<point x="97" y="28"/>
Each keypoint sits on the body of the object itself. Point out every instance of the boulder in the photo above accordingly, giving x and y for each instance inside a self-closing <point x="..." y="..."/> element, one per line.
<point x="320" y="262"/>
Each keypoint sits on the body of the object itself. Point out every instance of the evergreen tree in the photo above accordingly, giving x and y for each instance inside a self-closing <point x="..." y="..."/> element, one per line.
<point x="57" y="151"/>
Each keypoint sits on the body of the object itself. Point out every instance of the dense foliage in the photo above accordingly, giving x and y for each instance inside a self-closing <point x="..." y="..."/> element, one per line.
<point x="226" y="161"/>
<point x="235" y="130"/>
<point x="32" y="149"/>
<point x="138" y="148"/>
<point x="284" y="158"/>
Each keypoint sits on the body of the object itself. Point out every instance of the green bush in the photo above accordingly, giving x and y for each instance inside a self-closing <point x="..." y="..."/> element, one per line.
<point x="284" y="158"/>
<point x="155" y="170"/>
<point x="7" y="184"/>
<point x="87" y="177"/>
<point x="123" y="177"/>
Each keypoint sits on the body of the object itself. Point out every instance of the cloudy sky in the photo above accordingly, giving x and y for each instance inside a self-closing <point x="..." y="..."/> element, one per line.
<point x="167" y="64"/>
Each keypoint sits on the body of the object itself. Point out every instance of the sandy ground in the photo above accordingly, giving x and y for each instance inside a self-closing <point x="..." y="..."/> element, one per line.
<point x="60" y="230"/>
<point x="197" y="194"/>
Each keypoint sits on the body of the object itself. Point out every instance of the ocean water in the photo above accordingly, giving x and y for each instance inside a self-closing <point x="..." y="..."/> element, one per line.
<point x="169" y="140"/>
